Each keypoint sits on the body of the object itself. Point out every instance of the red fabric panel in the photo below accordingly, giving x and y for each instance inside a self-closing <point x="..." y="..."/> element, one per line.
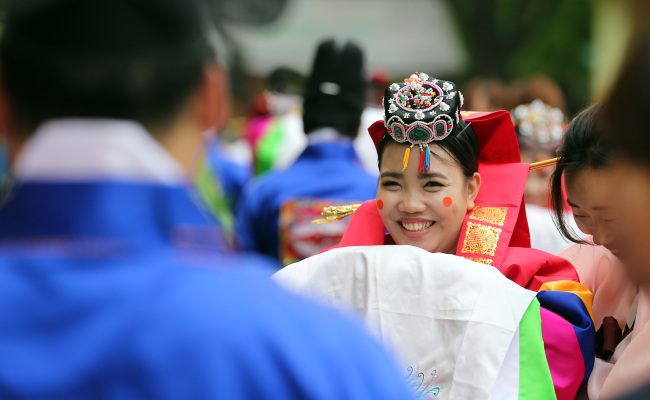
<point x="502" y="186"/>
<point x="497" y="136"/>
<point x="521" y="233"/>
<point x="531" y="267"/>
<point x="376" y="131"/>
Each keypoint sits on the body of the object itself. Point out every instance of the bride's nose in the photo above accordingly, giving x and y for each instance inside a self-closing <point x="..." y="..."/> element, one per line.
<point x="412" y="203"/>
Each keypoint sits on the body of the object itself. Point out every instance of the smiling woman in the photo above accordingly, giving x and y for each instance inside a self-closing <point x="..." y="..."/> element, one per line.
<point x="425" y="209"/>
<point x="460" y="194"/>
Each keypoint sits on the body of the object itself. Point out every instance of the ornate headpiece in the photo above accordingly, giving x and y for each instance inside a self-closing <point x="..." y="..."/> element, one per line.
<point x="421" y="110"/>
<point x="538" y="125"/>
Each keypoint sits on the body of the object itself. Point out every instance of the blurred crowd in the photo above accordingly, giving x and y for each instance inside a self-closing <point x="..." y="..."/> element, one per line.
<point x="272" y="137"/>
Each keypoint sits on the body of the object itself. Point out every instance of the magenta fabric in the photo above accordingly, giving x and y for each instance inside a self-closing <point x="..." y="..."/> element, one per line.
<point x="563" y="354"/>
<point x="256" y="129"/>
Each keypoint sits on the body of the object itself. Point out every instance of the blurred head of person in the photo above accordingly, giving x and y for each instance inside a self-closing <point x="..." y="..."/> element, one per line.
<point x="585" y="166"/>
<point x="539" y="130"/>
<point x="335" y="91"/>
<point x="428" y="164"/>
<point x="488" y="94"/>
<point x="624" y="130"/>
<point x="539" y="87"/>
<point x="284" y="92"/>
<point x="141" y="60"/>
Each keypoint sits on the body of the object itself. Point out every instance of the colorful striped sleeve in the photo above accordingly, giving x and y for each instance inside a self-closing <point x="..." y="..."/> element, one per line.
<point x="535" y="378"/>
<point x="569" y="340"/>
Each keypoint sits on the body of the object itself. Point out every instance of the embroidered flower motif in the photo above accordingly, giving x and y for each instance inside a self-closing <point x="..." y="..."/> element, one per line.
<point x="447" y="86"/>
<point x="394" y="87"/>
<point x="391" y="100"/>
<point x="419" y="115"/>
<point x="451" y="95"/>
<point x="406" y="115"/>
<point x="433" y="113"/>
<point x="392" y="108"/>
<point x="444" y="106"/>
<point x="424" y="77"/>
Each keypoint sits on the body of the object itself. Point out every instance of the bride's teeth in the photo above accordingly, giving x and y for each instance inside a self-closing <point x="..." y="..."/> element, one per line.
<point x="416" y="226"/>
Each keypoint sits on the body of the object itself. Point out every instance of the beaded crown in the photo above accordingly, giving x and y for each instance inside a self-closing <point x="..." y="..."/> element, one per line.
<point x="421" y="110"/>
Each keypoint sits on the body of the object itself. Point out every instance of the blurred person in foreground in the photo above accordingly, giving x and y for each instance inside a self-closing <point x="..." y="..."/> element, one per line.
<point x="105" y="290"/>
<point x="625" y="130"/>
<point x="275" y="215"/>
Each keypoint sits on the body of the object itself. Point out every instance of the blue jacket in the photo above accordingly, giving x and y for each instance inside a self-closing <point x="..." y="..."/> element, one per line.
<point x="328" y="171"/>
<point x="107" y="290"/>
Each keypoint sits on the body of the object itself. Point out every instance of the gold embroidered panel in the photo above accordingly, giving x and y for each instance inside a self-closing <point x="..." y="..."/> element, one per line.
<point x="481" y="239"/>
<point x="480" y="260"/>
<point x="491" y="215"/>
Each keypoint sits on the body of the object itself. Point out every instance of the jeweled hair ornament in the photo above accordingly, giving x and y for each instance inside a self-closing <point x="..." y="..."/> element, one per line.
<point x="538" y="125"/>
<point x="419" y="111"/>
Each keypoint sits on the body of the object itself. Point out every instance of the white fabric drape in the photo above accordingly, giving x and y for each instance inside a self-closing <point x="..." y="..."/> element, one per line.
<point x="436" y="311"/>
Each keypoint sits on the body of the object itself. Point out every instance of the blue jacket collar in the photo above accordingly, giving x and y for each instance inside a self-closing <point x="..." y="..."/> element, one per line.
<point x="138" y="214"/>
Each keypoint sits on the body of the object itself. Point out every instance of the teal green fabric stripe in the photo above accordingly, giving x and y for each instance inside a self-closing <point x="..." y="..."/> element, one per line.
<point x="535" y="381"/>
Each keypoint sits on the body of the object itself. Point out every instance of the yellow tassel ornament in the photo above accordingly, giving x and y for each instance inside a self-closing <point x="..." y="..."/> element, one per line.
<point x="405" y="161"/>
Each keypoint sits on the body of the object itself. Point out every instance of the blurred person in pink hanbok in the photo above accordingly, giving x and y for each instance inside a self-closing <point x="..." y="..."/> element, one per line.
<point x="621" y="308"/>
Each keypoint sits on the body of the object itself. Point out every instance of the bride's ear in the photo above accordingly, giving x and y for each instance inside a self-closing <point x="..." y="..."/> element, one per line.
<point x="473" y="186"/>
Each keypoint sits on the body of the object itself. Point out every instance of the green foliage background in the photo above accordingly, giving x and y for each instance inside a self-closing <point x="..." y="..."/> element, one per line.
<point x="511" y="39"/>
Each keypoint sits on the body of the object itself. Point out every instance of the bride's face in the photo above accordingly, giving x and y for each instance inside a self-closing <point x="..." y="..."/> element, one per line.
<point x="424" y="209"/>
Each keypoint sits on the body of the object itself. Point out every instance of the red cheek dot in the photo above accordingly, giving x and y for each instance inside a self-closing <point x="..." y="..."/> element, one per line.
<point x="446" y="201"/>
<point x="380" y="204"/>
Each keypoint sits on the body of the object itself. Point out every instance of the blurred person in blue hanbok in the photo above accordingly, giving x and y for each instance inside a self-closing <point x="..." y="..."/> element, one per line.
<point x="106" y="282"/>
<point x="276" y="210"/>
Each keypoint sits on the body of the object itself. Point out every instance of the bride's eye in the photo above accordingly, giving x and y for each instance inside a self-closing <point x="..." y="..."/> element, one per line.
<point x="390" y="184"/>
<point x="433" y="184"/>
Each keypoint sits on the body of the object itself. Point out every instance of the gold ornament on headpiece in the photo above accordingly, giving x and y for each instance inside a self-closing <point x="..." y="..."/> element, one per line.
<point x="334" y="213"/>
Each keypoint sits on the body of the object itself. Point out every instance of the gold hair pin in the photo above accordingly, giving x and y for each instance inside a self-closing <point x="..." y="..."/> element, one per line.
<point x="542" y="164"/>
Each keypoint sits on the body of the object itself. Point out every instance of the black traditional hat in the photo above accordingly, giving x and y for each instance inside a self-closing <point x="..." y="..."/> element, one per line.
<point x="335" y="90"/>
<point x="422" y="110"/>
